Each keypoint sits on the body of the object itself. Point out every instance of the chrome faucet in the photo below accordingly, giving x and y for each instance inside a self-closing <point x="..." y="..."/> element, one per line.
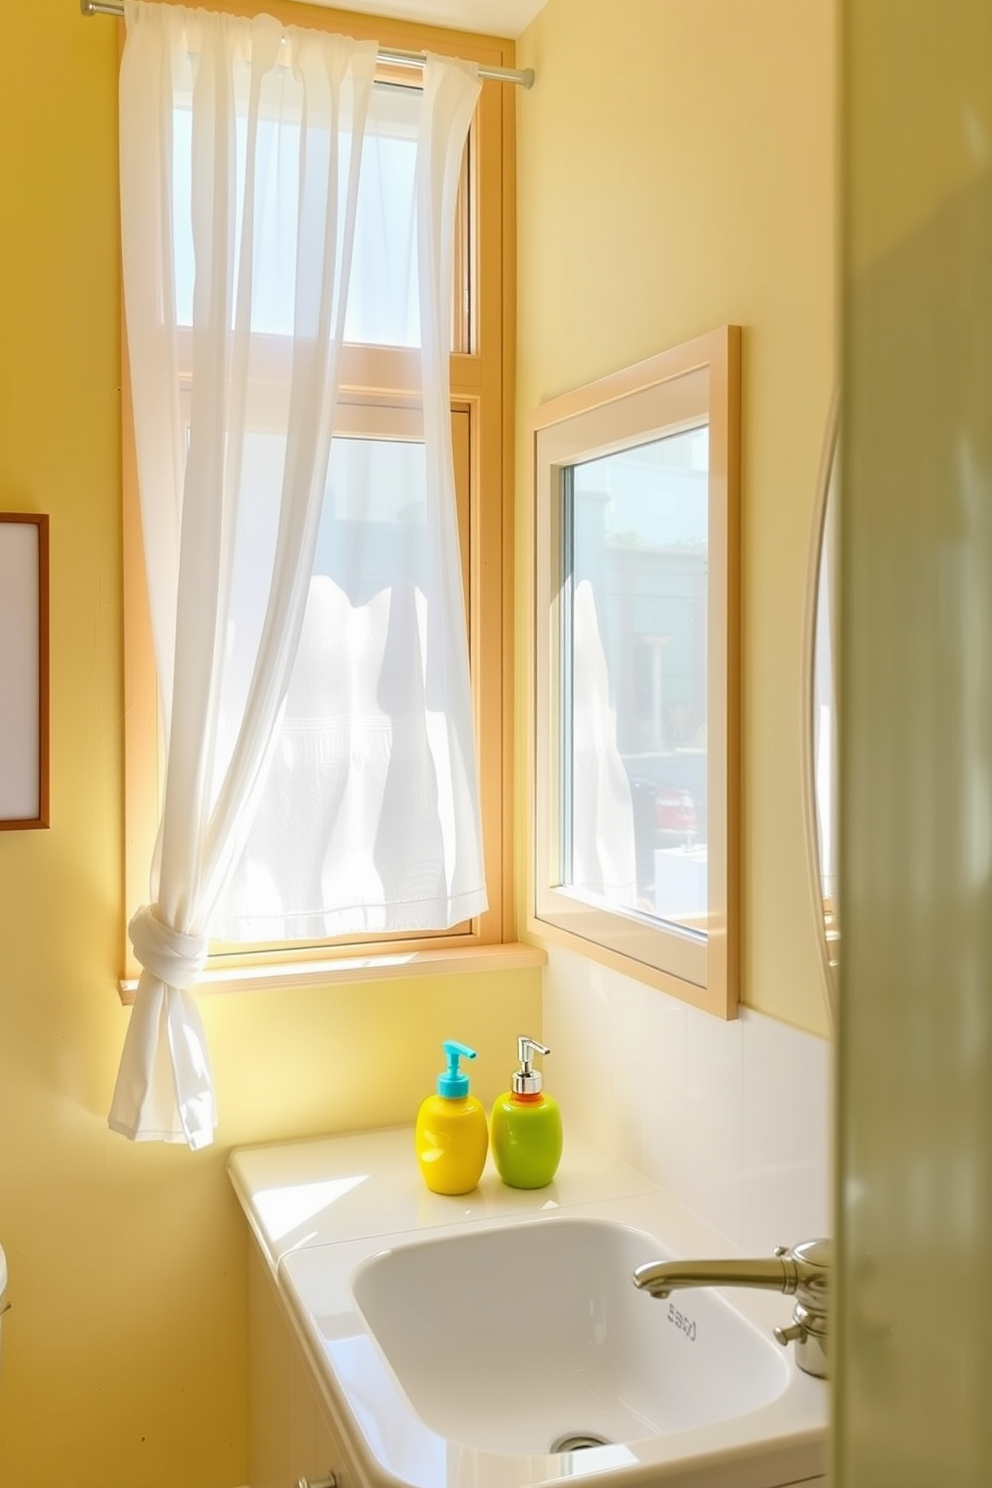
<point x="802" y="1271"/>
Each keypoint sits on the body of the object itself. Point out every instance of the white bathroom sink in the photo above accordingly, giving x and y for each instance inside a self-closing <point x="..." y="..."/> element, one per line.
<point x="496" y="1339"/>
<point x="528" y="1337"/>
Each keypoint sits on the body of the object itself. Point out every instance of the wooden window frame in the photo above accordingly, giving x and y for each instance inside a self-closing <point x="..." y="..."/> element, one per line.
<point x="678" y="389"/>
<point x="384" y="379"/>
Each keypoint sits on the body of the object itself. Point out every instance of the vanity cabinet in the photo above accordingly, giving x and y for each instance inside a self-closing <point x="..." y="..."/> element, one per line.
<point x="289" y="1434"/>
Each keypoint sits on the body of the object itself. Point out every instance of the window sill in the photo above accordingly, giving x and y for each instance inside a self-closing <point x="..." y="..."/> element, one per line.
<point x="342" y="971"/>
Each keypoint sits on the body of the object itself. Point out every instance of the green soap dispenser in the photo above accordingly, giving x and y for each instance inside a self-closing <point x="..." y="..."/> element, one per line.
<point x="451" y="1135"/>
<point x="525" y="1126"/>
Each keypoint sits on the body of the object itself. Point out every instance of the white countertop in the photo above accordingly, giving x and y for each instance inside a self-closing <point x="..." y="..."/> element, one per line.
<point x="331" y="1189"/>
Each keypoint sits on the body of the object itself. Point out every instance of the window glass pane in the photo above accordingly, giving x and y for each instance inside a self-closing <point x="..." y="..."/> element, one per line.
<point x="372" y="530"/>
<point x="352" y="726"/>
<point x="383" y="306"/>
<point x="634" y="683"/>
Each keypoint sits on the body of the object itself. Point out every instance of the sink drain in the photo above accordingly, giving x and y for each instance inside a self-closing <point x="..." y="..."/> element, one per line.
<point x="579" y="1441"/>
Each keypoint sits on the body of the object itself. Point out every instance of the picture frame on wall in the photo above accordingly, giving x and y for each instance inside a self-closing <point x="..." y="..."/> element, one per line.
<point x="24" y="683"/>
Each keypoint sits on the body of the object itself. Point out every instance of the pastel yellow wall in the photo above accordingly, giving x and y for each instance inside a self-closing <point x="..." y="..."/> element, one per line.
<point x="675" y="172"/>
<point x="705" y="198"/>
<point x="123" y="1360"/>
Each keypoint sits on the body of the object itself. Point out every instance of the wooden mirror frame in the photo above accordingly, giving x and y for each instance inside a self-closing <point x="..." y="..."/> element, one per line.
<point x="24" y="685"/>
<point x="698" y="382"/>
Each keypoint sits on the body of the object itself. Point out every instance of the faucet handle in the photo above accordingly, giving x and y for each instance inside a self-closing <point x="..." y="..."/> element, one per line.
<point x="794" y="1333"/>
<point x="809" y="1331"/>
<point x="809" y="1264"/>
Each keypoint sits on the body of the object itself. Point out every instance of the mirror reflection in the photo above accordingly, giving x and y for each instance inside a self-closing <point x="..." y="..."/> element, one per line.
<point x="634" y="676"/>
<point x="823" y="704"/>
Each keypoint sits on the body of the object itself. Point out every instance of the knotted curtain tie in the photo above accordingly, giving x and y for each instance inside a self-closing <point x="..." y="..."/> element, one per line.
<point x="174" y="958"/>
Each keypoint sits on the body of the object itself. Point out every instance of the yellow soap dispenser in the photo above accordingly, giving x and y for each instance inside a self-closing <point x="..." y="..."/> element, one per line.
<point x="525" y="1126"/>
<point x="451" y="1136"/>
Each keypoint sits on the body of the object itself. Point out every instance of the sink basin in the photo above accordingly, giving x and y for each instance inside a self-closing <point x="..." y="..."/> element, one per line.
<point x="496" y="1339"/>
<point x="531" y="1338"/>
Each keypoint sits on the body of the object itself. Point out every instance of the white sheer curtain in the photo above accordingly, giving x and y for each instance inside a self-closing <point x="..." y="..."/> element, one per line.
<point x="368" y="820"/>
<point x="603" y="851"/>
<point x="272" y="116"/>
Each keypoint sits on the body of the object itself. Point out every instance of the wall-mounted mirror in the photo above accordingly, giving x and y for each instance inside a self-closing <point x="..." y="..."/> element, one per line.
<point x="820" y="705"/>
<point x="636" y="663"/>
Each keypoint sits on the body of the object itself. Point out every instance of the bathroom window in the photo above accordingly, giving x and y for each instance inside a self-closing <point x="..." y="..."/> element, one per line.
<point x="636" y="664"/>
<point x="377" y="451"/>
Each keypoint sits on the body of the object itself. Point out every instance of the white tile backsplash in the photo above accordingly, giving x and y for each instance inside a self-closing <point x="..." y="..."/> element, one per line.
<point x="732" y="1118"/>
<point x="713" y="1138"/>
<point x="786" y="1128"/>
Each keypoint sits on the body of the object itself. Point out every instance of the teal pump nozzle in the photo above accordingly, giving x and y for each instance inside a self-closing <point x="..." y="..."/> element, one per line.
<point x="452" y="1083"/>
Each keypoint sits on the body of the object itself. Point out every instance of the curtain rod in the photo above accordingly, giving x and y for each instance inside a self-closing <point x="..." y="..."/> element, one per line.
<point x="524" y="77"/>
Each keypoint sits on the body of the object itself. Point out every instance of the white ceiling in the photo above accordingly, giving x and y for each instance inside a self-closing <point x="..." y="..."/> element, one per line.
<point x="491" y="17"/>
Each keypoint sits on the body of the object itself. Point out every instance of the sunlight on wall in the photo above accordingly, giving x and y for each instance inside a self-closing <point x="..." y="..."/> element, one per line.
<point x="126" y="1339"/>
<point x="127" y="1263"/>
<point x="675" y="173"/>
